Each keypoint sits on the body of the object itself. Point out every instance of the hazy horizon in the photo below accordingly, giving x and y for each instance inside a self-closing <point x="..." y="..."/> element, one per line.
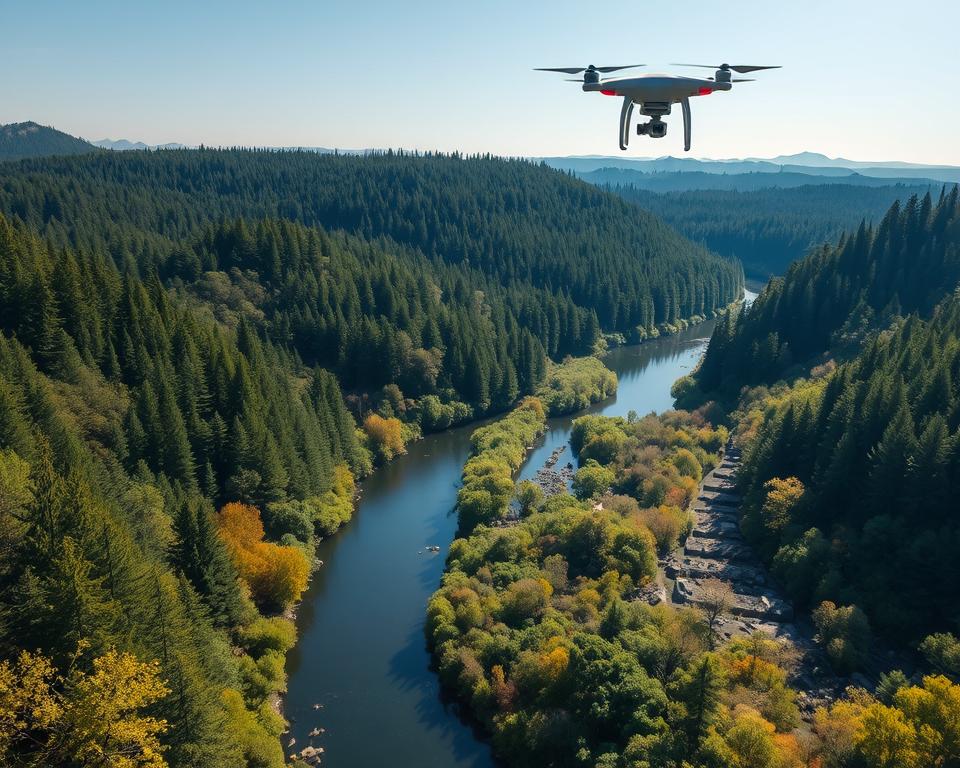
<point x="621" y="156"/>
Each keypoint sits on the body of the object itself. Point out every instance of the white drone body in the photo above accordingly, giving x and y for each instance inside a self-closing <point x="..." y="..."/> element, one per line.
<point x="655" y="95"/>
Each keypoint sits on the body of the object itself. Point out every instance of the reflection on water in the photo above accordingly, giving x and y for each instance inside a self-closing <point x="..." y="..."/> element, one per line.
<point x="361" y="651"/>
<point x="361" y="654"/>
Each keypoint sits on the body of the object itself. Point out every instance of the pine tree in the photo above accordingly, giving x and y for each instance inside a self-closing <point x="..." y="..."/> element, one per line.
<point x="700" y="689"/>
<point x="201" y="556"/>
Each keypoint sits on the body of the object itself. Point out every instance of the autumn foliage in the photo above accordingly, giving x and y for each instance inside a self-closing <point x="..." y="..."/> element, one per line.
<point x="91" y="718"/>
<point x="385" y="436"/>
<point x="276" y="575"/>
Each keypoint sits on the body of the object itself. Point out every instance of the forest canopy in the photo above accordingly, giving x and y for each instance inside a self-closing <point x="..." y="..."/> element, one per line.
<point x="552" y="243"/>
<point x="200" y="353"/>
<point x="831" y="300"/>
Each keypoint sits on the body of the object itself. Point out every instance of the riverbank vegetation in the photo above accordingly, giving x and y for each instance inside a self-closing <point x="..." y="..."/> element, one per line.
<point x="656" y="462"/>
<point x="499" y="449"/>
<point x="537" y="629"/>
<point x="575" y="384"/>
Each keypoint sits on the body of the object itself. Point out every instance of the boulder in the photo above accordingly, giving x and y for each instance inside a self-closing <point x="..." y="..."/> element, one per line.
<point x="653" y="593"/>
<point x="717" y="549"/>
<point x="708" y="527"/>
<point x="720" y="498"/>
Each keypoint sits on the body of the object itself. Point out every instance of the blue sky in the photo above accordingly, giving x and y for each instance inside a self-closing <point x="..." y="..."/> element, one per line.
<point x="873" y="80"/>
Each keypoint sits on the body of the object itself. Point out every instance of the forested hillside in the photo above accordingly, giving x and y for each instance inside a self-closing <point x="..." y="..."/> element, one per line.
<point x="21" y="140"/>
<point x="849" y="473"/>
<point x="125" y="416"/>
<point x="830" y="299"/>
<point x="767" y="229"/>
<point x="874" y="450"/>
<point x="557" y="244"/>
<point x="380" y="314"/>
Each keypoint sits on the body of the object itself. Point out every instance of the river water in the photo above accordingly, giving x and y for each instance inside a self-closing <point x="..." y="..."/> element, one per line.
<point x="361" y="654"/>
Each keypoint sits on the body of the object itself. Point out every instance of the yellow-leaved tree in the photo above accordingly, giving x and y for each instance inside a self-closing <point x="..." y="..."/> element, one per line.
<point x="920" y="727"/>
<point x="385" y="436"/>
<point x="782" y="497"/>
<point x="85" y="718"/>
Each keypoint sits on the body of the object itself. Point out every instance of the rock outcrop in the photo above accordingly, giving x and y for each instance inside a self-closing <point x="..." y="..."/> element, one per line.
<point x="716" y="550"/>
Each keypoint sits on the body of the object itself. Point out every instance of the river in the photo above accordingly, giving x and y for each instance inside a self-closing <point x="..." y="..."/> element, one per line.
<point x="361" y="654"/>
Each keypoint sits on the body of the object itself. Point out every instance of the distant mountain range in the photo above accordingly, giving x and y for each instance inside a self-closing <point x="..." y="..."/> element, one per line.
<point x="807" y="163"/>
<point x="822" y="161"/>
<point x="22" y="140"/>
<point x="682" y="181"/>
<point x="123" y="145"/>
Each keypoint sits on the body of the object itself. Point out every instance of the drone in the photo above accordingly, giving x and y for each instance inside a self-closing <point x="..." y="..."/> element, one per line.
<point x="656" y="94"/>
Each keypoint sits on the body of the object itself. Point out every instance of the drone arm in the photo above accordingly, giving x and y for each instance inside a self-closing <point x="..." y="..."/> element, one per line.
<point x="625" y="113"/>
<point x="685" y="104"/>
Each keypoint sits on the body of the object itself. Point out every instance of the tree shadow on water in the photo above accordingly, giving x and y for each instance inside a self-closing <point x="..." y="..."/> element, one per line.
<point x="443" y="720"/>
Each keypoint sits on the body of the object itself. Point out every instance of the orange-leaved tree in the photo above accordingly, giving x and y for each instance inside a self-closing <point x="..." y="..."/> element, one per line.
<point x="276" y="575"/>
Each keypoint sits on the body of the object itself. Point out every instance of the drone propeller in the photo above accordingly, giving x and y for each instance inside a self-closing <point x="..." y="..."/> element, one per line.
<point x="591" y="68"/>
<point x="741" y="68"/>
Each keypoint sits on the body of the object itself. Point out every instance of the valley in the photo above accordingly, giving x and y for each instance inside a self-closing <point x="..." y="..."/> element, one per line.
<point x="259" y="409"/>
<point x="381" y="681"/>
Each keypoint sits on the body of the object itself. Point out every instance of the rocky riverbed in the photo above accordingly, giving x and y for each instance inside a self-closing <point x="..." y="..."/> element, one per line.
<point x="553" y="481"/>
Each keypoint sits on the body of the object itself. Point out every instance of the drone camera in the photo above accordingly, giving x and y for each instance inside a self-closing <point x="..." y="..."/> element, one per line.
<point x="655" y="129"/>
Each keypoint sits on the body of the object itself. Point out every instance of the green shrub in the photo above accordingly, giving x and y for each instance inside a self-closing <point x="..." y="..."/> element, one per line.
<point x="575" y="384"/>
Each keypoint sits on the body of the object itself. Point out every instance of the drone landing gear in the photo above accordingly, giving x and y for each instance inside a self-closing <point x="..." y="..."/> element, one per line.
<point x="626" y="112"/>
<point x="655" y="128"/>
